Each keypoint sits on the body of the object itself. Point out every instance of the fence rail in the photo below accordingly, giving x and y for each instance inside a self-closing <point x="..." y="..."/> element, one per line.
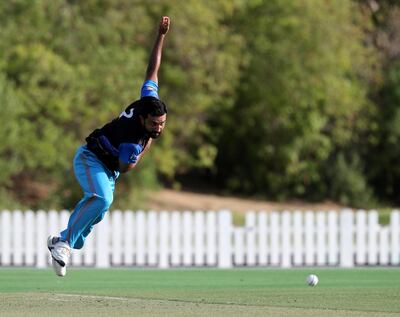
<point x="342" y="238"/>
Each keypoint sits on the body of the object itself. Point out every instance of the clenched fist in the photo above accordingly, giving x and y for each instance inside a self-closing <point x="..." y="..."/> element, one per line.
<point x="164" y="25"/>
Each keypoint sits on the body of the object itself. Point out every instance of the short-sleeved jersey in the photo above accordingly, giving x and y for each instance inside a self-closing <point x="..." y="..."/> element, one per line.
<point x="127" y="128"/>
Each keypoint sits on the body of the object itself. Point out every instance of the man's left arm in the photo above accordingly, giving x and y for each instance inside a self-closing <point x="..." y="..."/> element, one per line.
<point x="126" y="166"/>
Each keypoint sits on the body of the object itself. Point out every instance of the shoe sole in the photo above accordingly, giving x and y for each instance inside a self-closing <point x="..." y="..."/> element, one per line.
<point x="60" y="271"/>
<point x="62" y="263"/>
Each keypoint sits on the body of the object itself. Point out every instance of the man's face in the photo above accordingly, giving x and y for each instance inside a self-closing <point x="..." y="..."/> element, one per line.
<point x="154" y="125"/>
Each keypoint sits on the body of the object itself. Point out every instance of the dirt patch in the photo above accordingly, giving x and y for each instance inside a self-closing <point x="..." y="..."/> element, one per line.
<point x="181" y="200"/>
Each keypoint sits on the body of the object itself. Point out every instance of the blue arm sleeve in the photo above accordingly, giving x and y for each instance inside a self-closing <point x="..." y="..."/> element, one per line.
<point x="129" y="152"/>
<point x="149" y="89"/>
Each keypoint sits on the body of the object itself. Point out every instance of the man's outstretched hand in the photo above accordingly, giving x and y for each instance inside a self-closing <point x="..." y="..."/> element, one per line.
<point x="164" y="25"/>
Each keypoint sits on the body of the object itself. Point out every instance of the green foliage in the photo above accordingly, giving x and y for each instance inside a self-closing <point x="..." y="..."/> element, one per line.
<point x="199" y="74"/>
<point x="10" y="108"/>
<point x="382" y="151"/>
<point x="348" y="184"/>
<point x="299" y="99"/>
<point x="385" y="152"/>
<point x="45" y="85"/>
<point x="272" y="97"/>
<point x="76" y="65"/>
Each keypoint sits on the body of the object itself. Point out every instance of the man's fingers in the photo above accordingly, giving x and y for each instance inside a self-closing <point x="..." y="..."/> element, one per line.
<point x="164" y="25"/>
<point x="165" y="20"/>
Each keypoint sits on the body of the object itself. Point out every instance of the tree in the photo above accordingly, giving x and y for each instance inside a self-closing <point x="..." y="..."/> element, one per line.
<point x="10" y="130"/>
<point x="78" y="64"/>
<point x="301" y="96"/>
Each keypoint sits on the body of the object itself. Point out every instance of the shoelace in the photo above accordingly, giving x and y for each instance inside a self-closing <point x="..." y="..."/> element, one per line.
<point x="64" y="251"/>
<point x="61" y="253"/>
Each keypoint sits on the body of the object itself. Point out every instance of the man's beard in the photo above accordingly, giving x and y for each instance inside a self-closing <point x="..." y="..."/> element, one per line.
<point x="154" y="135"/>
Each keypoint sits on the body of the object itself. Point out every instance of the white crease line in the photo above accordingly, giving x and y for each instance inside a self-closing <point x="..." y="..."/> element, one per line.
<point x="91" y="297"/>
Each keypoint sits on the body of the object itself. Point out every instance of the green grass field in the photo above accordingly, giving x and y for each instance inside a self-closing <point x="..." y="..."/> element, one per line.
<point x="200" y="292"/>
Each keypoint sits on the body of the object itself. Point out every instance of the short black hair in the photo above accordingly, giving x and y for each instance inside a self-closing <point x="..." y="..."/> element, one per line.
<point x="151" y="106"/>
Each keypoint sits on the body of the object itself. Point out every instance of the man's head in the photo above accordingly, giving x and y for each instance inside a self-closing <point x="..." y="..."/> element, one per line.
<point x="153" y="115"/>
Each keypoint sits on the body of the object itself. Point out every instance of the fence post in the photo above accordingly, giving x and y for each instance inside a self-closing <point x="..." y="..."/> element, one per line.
<point x="17" y="234"/>
<point x="5" y="237"/>
<point x="211" y="238"/>
<point x="384" y="246"/>
<point x="394" y="237"/>
<point x="224" y="241"/>
<point x="164" y="240"/>
<point x="298" y="240"/>
<point x="152" y="236"/>
<point x="187" y="238"/>
<point x="321" y="238"/>
<point x="116" y="236"/>
<point x="274" y="238"/>
<point x="199" y="258"/>
<point x="103" y="243"/>
<point x="373" y="226"/>
<point x="238" y="246"/>
<point x="346" y="238"/>
<point x="262" y="240"/>
<point x="333" y="249"/>
<point x="309" y="237"/>
<point x="41" y="235"/>
<point x="29" y="237"/>
<point x="140" y="237"/>
<point x="286" y="235"/>
<point x="176" y="236"/>
<point x="250" y="229"/>
<point x="129" y="226"/>
<point x="361" y="237"/>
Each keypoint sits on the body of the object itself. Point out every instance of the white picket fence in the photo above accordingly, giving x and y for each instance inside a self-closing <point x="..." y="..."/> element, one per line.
<point x="209" y="239"/>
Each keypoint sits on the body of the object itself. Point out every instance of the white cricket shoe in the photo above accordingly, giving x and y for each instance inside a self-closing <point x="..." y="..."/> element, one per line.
<point x="58" y="269"/>
<point x="60" y="253"/>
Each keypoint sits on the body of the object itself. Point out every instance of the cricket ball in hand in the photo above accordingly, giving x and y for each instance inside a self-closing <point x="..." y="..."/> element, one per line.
<point x="312" y="280"/>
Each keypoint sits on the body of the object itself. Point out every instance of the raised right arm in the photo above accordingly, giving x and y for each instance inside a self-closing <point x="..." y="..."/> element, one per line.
<point x="156" y="53"/>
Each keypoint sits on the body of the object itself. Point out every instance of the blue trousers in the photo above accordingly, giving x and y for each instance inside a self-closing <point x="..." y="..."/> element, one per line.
<point x="98" y="184"/>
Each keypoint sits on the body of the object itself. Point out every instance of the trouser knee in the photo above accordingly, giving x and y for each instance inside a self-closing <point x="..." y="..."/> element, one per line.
<point x="102" y="203"/>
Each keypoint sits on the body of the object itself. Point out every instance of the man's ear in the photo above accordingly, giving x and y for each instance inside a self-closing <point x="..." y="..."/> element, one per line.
<point x="141" y="119"/>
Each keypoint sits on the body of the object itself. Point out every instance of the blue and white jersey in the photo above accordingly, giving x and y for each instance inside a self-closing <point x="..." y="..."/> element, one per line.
<point x="127" y="128"/>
